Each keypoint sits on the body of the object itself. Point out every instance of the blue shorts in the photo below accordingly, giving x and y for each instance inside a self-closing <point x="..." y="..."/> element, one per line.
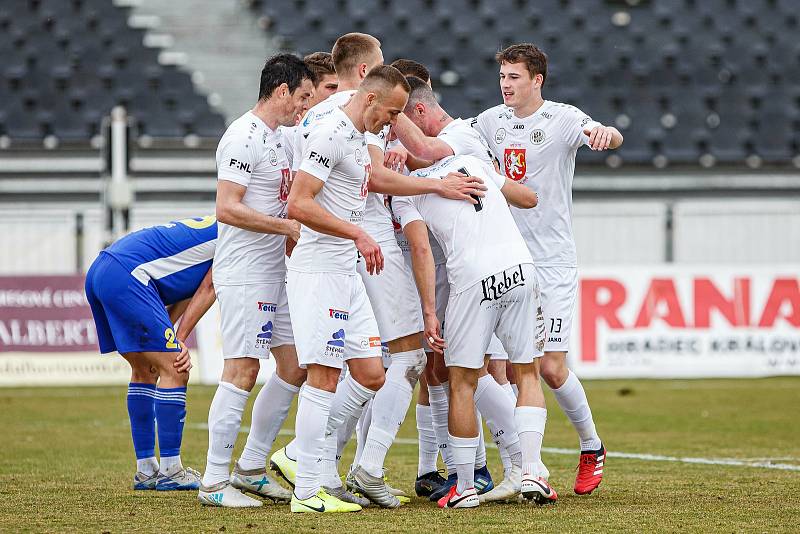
<point x="129" y="316"/>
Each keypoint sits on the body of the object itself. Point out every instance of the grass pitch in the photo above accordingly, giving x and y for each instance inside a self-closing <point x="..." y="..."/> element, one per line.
<point x="67" y="462"/>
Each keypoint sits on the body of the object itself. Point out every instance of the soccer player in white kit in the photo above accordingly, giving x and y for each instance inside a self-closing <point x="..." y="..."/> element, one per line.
<point x="493" y="290"/>
<point x="536" y="141"/>
<point x="249" y="276"/>
<point x="438" y="135"/>
<point x="334" y="321"/>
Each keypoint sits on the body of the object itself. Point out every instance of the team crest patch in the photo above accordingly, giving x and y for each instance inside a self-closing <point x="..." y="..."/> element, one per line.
<point x="283" y="192"/>
<point x="273" y="157"/>
<point x="499" y="135"/>
<point x="537" y="137"/>
<point x="515" y="164"/>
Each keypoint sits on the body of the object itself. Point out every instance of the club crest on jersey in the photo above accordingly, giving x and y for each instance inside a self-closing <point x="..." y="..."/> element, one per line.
<point x="515" y="164"/>
<point x="267" y="306"/>
<point x="283" y="191"/>
<point x="273" y="157"/>
<point x="499" y="135"/>
<point x="537" y="137"/>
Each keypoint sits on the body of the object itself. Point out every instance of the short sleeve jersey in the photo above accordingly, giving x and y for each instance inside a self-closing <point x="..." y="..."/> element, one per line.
<point x="539" y="151"/>
<point x="309" y="120"/>
<point x="465" y="141"/>
<point x="251" y="154"/>
<point x="173" y="257"/>
<point x="335" y="153"/>
<point x="476" y="243"/>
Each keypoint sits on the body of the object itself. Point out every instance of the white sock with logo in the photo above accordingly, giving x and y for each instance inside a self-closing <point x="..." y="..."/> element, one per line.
<point x="389" y="408"/>
<point x="530" y="421"/>
<point x="439" y="408"/>
<point x="498" y="410"/>
<point x="572" y="399"/>
<point x="463" y="451"/>
<point x="224" y="422"/>
<point x="313" y="409"/>
<point x="349" y="398"/>
<point x="269" y="412"/>
<point x="428" y="448"/>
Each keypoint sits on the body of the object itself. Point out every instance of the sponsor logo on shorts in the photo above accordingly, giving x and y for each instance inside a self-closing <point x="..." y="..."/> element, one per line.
<point x="338" y="314"/>
<point x="264" y="339"/>
<point x="375" y="342"/>
<point x="335" y="346"/>
<point x="267" y="306"/>
<point x="372" y="342"/>
<point x="495" y="286"/>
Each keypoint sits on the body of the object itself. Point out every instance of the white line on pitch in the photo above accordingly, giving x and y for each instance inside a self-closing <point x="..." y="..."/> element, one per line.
<point x="612" y="454"/>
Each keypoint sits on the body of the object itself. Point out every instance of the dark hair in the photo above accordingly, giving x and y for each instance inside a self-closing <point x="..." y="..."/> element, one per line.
<point x="352" y="49"/>
<point x="420" y="92"/>
<point x="321" y="64"/>
<point x="283" y="68"/>
<point x="409" y="67"/>
<point x="535" y="60"/>
<point x="385" y="76"/>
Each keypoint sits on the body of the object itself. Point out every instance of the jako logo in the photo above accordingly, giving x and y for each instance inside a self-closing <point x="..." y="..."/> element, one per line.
<point x="319" y="158"/>
<point x="338" y="314"/>
<point x="494" y="288"/>
<point x="267" y="306"/>
<point x="241" y="165"/>
<point x="518" y="127"/>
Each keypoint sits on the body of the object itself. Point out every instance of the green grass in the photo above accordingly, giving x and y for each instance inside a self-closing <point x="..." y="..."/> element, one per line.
<point x="67" y="461"/>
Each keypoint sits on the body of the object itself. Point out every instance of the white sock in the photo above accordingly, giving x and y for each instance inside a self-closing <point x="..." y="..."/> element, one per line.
<point x="463" y="451"/>
<point x="480" y="453"/>
<point x="350" y="396"/>
<point x="497" y="408"/>
<point x="362" y="429"/>
<point x="171" y="464"/>
<point x="224" y="421"/>
<point x="269" y="412"/>
<point x="291" y="449"/>
<point x="389" y="408"/>
<point x="313" y="409"/>
<point x="530" y="423"/>
<point x="509" y="391"/>
<point x="515" y="389"/>
<point x="439" y="409"/>
<point x="572" y="399"/>
<point x="148" y="466"/>
<point x="428" y="449"/>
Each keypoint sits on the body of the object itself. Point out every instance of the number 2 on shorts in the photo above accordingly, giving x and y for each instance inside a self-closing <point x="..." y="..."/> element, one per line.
<point x="169" y="335"/>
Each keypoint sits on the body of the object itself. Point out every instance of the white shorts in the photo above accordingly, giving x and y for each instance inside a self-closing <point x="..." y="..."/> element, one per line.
<point x="393" y="294"/>
<point x="496" y="350"/>
<point x="333" y="319"/>
<point x="254" y="318"/>
<point x="559" y="287"/>
<point x="514" y="314"/>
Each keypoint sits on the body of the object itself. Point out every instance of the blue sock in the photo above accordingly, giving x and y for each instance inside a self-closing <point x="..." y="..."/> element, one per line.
<point x="141" y="411"/>
<point x="170" y="414"/>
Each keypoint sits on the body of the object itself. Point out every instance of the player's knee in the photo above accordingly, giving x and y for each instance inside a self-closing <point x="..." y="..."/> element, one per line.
<point x="292" y="375"/>
<point x="554" y="372"/>
<point x="373" y="381"/>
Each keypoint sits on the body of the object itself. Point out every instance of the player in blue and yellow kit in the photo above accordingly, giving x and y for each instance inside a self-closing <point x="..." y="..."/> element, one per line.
<point x="138" y="288"/>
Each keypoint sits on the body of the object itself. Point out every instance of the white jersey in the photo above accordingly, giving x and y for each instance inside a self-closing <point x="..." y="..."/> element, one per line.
<point x="335" y="152"/>
<point x="539" y="151"/>
<point x="378" y="216"/>
<point x="465" y="141"/>
<point x="476" y="243"/>
<point x="288" y="134"/>
<point x="308" y="122"/>
<point x="252" y="155"/>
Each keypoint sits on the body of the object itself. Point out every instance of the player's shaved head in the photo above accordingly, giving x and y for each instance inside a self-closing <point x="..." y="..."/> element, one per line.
<point x="420" y="93"/>
<point x="384" y="78"/>
<point x="531" y="55"/>
<point x="321" y="64"/>
<point x="409" y="67"/>
<point x="351" y="50"/>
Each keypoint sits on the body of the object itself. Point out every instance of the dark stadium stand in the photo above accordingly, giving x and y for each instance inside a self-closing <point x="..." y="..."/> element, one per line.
<point x="66" y="63"/>
<point x="687" y="81"/>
